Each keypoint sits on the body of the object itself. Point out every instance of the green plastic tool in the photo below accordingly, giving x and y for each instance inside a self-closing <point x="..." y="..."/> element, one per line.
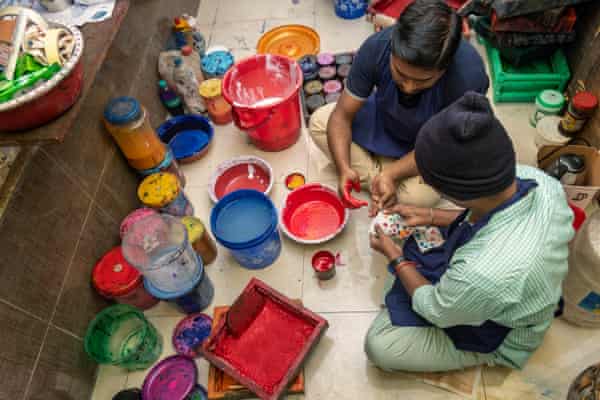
<point x="8" y="91"/>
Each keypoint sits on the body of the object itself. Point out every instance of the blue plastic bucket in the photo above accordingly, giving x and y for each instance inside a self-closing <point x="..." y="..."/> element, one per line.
<point x="351" y="9"/>
<point x="191" y="299"/>
<point x="245" y="222"/>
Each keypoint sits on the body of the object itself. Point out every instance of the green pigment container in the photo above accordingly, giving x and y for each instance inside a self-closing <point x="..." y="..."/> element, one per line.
<point x="121" y="335"/>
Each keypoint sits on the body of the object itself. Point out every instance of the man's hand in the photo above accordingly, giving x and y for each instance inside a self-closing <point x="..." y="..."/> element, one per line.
<point x="413" y="216"/>
<point x="384" y="244"/>
<point x="383" y="193"/>
<point x="347" y="174"/>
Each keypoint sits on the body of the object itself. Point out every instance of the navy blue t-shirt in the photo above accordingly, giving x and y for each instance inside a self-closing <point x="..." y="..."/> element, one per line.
<point x="383" y="125"/>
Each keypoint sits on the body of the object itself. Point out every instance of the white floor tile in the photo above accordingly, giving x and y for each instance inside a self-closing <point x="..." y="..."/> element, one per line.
<point x="238" y="35"/>
<point x="243" y="10"/>
<point x="207" y="12"/>
<point x="340" y="35"/>
<point x="339" y="370"/>
<point x="110" y="380"/>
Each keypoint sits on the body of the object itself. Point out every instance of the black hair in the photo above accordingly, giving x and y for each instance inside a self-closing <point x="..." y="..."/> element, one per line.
<point x="427" y="34"/>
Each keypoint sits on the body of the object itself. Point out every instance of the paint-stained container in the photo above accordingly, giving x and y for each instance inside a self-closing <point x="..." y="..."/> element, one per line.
<point x="315" y="101"/>
<point x="120" y="335"/>
<point x="162" y="191"/>
<point x="327" y="73"/>
<point x="200" y="239"/>
<point x="350" y="9"/>
<point x="219" y="110"/>
<point x="308" y="65"/>
<point x="343" y="71"/>
<point x="332" y="86"/>
<point x="169" y="164"/>
<point x="190" y="333"/>
<point x="325" y="59"/>
<point x="323" y="263"/>
<point x="158" y="247"/>
<point x="245" y="222"/>
<point x="194" y="297"/>
<point x="127" y="122"/>
<point x="313" y="87"/>
<point x="133" y="217"/>
<point x="173" y="378"/>
<point x="343" y="59"/>
<point x="264" y="91"/>
<point x="332" y="97"/>
<point x="189" y="136"/>
<point x="114" y="278"/>
<point x="216" y="63"/>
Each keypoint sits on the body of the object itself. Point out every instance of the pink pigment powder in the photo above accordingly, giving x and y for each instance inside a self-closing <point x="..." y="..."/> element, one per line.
<point x="266" y="350"/>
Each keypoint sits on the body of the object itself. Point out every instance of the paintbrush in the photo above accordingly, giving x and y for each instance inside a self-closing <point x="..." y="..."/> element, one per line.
<point x="243" y="311"/>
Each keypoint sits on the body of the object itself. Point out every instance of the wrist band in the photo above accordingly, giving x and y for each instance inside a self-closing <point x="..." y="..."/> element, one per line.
<point x="392" y="264"/>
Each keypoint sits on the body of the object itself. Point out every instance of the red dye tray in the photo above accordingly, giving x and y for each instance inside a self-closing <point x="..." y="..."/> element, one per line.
<point x="268" y="355"/>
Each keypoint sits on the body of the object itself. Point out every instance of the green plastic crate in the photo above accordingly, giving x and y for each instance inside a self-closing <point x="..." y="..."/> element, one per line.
<point x="522" y="84"/>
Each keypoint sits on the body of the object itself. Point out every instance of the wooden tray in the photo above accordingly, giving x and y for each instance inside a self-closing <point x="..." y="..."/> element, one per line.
<point x="277" y="306"/>
<point x="223" y="387"/>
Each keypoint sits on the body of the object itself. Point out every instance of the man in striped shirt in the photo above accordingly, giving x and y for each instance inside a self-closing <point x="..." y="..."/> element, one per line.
<point x="488" y="294"/>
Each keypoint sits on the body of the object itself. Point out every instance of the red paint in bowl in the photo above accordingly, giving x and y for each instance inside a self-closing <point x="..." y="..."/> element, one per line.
<point x="313" y="213"/>
<point x="245" y="172"/>
<point x="323" y="262"/>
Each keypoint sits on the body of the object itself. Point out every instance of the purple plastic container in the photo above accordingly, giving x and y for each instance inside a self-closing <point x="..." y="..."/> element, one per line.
<point x="327" y="73"/>
<point x="190" y="333"/>
<point x="332" y="86"/>
<point x="173" y="378"/>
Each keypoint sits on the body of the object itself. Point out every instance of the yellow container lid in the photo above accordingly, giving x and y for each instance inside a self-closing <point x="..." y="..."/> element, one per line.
<point x="210" y="88"/>
<point x="293" y="41"/>
<point x="158" y="190"/>
<point x="195" y="228"/>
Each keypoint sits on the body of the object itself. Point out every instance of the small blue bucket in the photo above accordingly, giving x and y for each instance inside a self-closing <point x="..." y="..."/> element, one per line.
<point x="245" y="222"/>
<point x="351" y="9"/>
<point x="192" y="299"/>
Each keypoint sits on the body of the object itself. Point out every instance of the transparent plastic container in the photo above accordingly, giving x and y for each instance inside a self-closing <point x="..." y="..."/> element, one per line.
<point x="159" y="248"/>
<point x="127" y="122"/>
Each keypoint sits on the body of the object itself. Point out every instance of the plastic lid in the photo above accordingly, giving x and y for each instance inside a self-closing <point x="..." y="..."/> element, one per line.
<point x="325" y="59"/>
<point x="177" y="61"/>
<point x="186" y="50"/>
<point x="327" y="72"/>
<point x="550" y="99"/>
<point x="293" y="41"/>
<point x="122" y="110"/>
<point x="113" y="276"/>
<point x="242" y="218"/>
<point x="313" y="87"/>
<point x="217" y="62"/>
<point x="308" y="63"/>
<point x="158" y="190"/>
<point x="133" y="217"/>
<point x="342" y="59"/>
<point x="128" y="394"/>
<point x="190" y="333"/>
<point x="188" y="143"/>
<point x="547" y="128"/>
<point x="162" y="84"/>
<point x="585" y="101"/>
<point x="210" y="88"/>
<point x="343" y="70"/>
<point x="195" y="228"/>
<point x="172" y="378"/>
<point x="332" y="86"/>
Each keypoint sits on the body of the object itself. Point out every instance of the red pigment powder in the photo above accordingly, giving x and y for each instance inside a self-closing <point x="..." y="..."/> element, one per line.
<point x="266" y="350"/>
<point x="314" y="220"/>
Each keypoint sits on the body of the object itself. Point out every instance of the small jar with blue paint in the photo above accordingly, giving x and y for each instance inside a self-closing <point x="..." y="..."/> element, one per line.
<point x="350" y="9"/>
<point x="194" y="297"/>
<point x="163" y="191"/>
<point x="309" y="66"/>
<point x="169" y="164"/>
<point x="245" y="222"/>
<point x="216" y="63"/>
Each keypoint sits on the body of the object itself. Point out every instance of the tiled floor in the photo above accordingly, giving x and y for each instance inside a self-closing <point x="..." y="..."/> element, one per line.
<point x="339" y="369"/>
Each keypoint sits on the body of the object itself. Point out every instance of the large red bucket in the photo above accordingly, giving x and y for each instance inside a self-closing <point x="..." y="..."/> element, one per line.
<point x="264" y="93"/>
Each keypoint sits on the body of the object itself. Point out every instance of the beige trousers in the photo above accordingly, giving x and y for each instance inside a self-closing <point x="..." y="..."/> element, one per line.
<point x="411" y="191"/>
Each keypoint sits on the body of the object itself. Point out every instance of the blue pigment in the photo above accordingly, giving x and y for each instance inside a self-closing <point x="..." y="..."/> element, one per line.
<point x="244" y="220"/>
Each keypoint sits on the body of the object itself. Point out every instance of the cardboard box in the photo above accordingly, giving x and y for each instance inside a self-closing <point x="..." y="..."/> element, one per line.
<point x="580" y="195"/>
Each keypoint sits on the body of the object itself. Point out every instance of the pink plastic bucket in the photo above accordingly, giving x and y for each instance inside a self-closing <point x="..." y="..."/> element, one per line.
<point x="264" y="93"/>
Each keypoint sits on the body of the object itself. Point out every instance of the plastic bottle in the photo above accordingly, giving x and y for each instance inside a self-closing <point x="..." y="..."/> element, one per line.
<point x="169" y="98"/>
<point x="192" y="59"/>
<point x="187" y="87"/>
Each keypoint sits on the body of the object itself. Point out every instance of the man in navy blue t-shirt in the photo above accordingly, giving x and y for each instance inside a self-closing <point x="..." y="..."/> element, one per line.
<point x="400" y="78"/>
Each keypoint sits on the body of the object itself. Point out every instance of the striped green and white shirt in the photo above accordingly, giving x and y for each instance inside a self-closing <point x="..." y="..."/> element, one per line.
<point x="510" y="272"/>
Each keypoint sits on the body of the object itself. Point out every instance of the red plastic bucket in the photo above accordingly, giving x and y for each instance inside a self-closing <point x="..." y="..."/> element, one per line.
<point x="264" y="91"/>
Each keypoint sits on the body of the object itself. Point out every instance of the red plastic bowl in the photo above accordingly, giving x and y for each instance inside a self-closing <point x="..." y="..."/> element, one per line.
<point x="313" y="214"/>
<point x="235" y="174"/>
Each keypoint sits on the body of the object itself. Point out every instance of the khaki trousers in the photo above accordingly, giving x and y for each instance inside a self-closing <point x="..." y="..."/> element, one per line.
<point x="411" y="191"/>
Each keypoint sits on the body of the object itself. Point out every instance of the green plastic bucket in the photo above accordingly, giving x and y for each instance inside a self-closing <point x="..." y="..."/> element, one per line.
<point x="121" y="335"/>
